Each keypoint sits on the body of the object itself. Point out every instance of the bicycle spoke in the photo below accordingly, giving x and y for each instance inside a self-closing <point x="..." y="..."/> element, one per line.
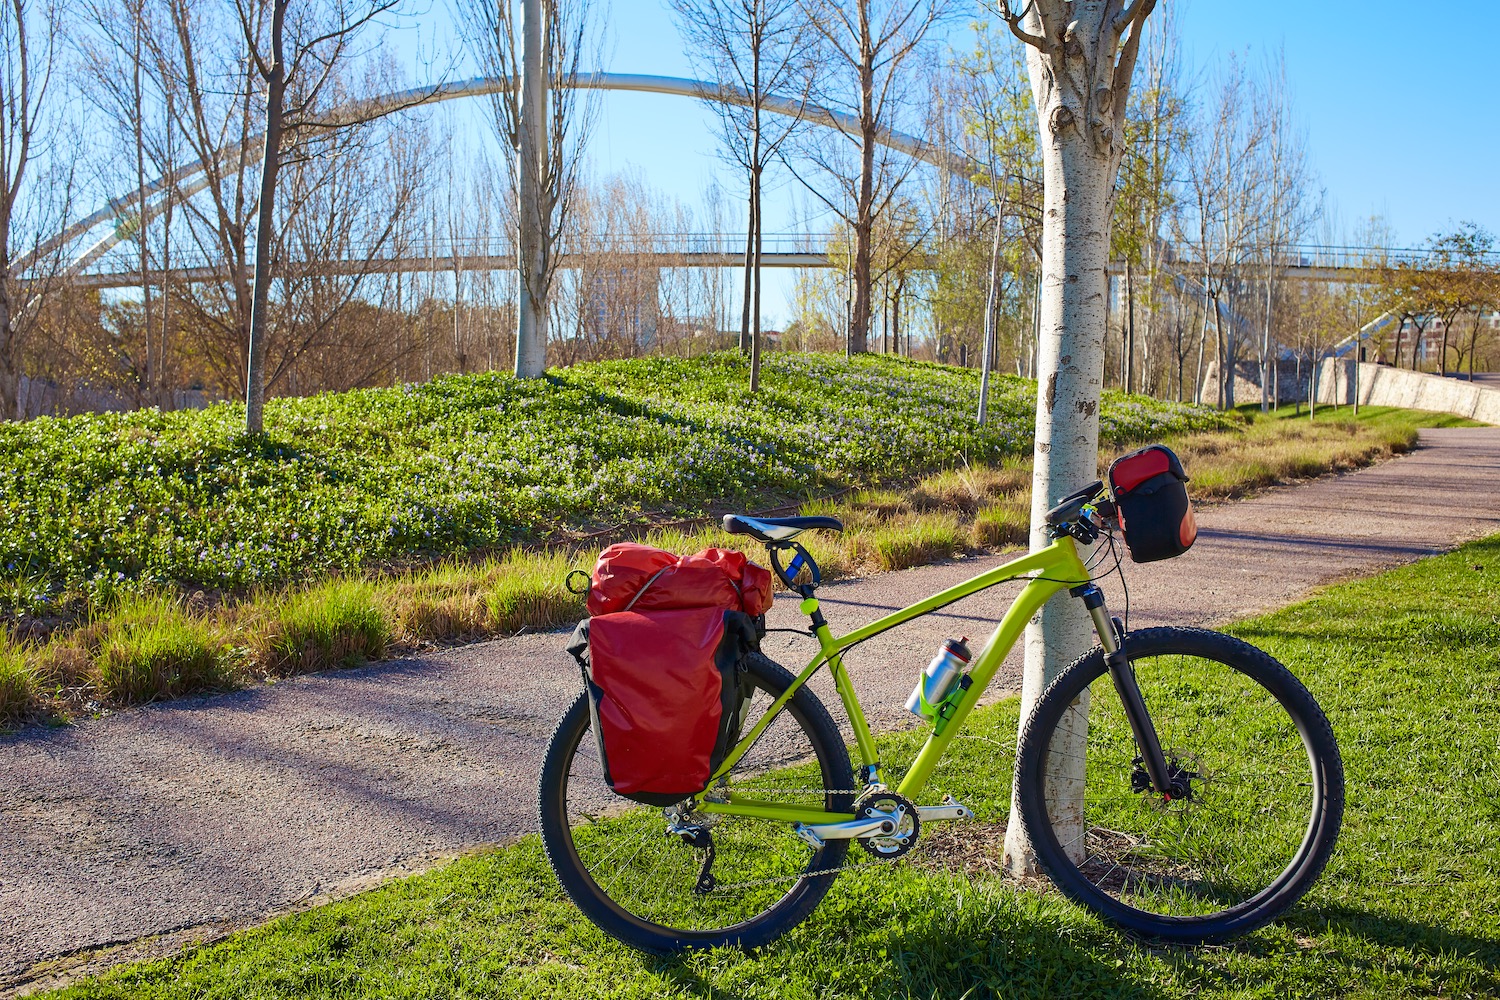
<point x="1246" y="799"/>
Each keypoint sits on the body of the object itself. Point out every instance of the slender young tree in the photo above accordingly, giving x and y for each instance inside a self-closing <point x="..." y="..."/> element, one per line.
<point x="759" y="48"/>
<point x="543" y="129"/>
<point x="868" y="48"/>
<point x="1080" y="57"/>
<point x="36" y="181"/>
<point x="296" y="53"/>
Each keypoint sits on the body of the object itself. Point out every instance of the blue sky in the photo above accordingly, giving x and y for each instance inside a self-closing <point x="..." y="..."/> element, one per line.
<point x="1399" y="104"/>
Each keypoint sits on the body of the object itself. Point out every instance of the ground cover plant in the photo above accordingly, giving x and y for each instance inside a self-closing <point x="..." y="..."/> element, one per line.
<point x="99" y="503"/>
<point x="1404" y="663"/>
<point x="337" y="621"/>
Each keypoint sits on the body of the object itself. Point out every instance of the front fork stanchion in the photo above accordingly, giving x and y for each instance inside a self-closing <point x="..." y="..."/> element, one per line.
<point x="1123" y="675"/>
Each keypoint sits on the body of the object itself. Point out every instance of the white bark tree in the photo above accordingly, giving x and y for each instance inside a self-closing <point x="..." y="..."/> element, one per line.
<point x="543" y="128"/>
<point x="761" y="48"/>
<point x="36" y="181"/>
<point x="1080" y="56"/>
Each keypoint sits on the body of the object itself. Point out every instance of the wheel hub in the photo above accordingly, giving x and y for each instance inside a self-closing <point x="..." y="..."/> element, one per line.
<point x="1179" y="779"/>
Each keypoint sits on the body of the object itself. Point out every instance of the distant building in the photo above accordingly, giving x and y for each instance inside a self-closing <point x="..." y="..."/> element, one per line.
<point x="620" y="304"/>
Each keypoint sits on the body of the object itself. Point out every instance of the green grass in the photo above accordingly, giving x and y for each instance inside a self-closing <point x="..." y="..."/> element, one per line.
<point x="1282" y="446"/>
<point x="153" y="649"/>
<point x="1390" y="416"/>
<point x="1406" y="666"/>
<point x="972" y="507"/>
<point x="17" y="683"/>
<point x="336" y="624"/>
<point x="96" y="504"/>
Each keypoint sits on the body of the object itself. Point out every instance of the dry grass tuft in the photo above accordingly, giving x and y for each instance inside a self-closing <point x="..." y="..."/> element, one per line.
<point x="912" y="541"/>
<point x="17" y="684"/>
<point x="335" y="624"/>
<point x="528" y="592"/>
<point x="1003" y="525"/>
<point x="153" y="649"/>
<point x="972" y="488"/>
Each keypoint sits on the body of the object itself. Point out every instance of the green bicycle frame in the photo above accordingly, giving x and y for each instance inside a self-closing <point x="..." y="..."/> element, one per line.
<point x="1055" y="568"/>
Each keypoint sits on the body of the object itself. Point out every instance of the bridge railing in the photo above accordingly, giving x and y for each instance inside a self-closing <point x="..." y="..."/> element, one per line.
<point x="1325" y="262"/>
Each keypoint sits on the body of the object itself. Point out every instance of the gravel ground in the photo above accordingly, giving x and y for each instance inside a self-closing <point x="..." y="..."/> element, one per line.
<point x="176" y="822"/>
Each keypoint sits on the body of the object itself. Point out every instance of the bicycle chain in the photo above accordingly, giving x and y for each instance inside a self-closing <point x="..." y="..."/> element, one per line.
<point x="874" y="862"/>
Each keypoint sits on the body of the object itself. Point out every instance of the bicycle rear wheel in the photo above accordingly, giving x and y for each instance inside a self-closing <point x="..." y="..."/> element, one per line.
<point x="644" y="886"/>
<point x="1264" y="780"/>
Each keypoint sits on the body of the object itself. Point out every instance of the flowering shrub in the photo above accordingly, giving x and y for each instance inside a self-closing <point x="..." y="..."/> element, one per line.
<point x="103" y="503"/>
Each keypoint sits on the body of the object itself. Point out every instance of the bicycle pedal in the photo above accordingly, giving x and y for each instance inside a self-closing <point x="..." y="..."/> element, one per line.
<point x="948" y="809"/>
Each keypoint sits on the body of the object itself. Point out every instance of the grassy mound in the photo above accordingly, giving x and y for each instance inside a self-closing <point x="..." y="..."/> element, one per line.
<point x="95" y="504"/>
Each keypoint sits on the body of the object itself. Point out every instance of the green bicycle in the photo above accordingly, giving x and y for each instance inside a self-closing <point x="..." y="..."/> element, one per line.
<point x="1211" y="783"/>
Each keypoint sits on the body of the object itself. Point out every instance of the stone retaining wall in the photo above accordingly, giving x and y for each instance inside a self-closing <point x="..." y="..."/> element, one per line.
<point x="1381" y="385"/>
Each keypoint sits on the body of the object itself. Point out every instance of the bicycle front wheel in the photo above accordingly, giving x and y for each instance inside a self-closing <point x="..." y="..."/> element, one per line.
<point x="1255" y="756"/>
<point x="645" y="885"/>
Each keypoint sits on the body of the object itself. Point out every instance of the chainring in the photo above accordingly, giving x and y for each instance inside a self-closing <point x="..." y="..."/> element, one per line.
<point x="889" y="846"/>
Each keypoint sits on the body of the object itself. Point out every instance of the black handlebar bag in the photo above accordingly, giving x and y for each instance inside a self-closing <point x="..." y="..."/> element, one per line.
<point x="1151" y="500"/>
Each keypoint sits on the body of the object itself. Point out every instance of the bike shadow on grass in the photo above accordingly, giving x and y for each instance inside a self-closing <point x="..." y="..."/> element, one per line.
<point x="1022" y="947"/>
<point x="1417" y="938"/>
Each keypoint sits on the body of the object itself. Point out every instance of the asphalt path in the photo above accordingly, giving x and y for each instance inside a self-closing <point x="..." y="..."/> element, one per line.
<point x="176" y="822"/>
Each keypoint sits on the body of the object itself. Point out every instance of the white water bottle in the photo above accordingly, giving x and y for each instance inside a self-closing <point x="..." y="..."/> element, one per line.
<point x="938" y="680"/>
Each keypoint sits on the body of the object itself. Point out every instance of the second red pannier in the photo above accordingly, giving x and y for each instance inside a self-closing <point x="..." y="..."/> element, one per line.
<point x="661" y="654"/>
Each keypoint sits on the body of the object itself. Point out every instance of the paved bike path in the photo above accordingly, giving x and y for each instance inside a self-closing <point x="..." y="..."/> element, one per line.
<point x="209" y="813"/>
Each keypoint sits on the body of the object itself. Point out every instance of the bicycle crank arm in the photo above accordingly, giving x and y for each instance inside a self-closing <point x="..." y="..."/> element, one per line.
<point x="949" y="808"/>
<point x="852" y="829"/>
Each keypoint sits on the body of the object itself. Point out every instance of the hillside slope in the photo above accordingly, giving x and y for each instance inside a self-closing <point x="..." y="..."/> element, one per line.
<point x="97" y="503"/>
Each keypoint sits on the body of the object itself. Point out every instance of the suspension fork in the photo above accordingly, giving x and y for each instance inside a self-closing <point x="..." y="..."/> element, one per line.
<point x="1111" y="638"/>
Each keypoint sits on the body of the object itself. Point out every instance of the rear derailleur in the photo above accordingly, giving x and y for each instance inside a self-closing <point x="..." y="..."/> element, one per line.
<point x="699" y="839"/>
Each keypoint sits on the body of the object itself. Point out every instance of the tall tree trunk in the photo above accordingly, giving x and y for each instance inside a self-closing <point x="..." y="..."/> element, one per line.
<point x="1129" y="368"/>
<point x="755" y="269"/>
<point x="864" y="216"/>
<point x="1265" y="342"/>
<point x="1221" y="393"/>
<point x="10" y="374"/>
<point x="255" y="366"/>
<point x="1079" y="165"/>
<point x="1202" y="344"/>
<point x="531" y="255"/>
<point x="750" y="248"/>
<point x="896" y="321"/>
<point x="991" y="308"/>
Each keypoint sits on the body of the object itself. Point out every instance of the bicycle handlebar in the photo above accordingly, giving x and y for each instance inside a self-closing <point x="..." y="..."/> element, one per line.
<point x="1072" y="504"/>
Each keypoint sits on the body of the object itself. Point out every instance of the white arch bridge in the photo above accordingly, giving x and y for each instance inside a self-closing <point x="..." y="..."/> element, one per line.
<point x="127" y="214"/>
<point x="130" y="212"/>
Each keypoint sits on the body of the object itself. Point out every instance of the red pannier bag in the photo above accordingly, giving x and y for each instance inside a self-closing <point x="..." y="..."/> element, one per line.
<point x="661" y="654"/>
<point x="1152" y="503"/>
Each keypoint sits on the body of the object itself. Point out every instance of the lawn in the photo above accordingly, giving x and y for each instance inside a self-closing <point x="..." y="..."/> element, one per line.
<point x="139" y="639"/>
<point x="1406" y="665"/>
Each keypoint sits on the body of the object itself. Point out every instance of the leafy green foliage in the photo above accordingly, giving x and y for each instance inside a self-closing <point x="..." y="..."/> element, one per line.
<point x="96" y="504"/>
